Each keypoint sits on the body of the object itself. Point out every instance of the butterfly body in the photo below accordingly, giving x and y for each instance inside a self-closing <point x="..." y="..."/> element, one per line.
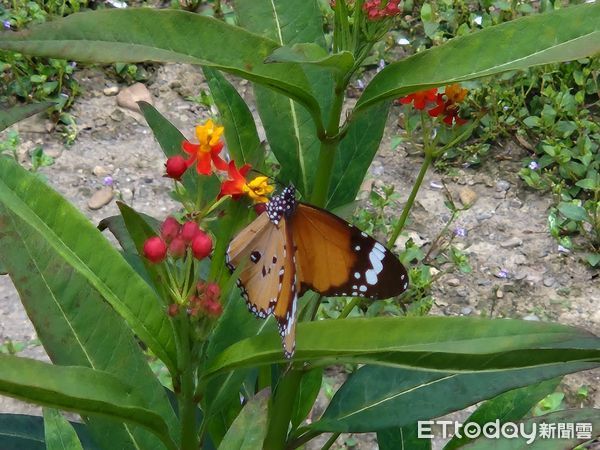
<point x="292" y="247"/>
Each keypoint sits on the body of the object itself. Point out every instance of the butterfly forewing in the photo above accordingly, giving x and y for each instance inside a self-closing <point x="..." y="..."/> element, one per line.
<point x="259" y="248"/>
<point x="335" y="258"/>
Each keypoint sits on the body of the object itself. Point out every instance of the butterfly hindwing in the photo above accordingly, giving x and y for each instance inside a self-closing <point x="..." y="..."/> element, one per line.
<point x="335" y="258"/>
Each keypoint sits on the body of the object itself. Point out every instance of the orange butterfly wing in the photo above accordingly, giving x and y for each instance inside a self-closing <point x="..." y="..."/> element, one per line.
<point x="335" y="258"/>
<point x="268" y="275"/>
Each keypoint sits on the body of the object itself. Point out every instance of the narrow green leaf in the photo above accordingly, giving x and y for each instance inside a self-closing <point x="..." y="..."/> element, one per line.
<point x="437" y="343"/>
<point x="401" y="397"/>
<point x="534" y="440"/>
<point x="17" y="113"/>
<point x="356" y="153"/>
<point x="74" y="332"/>
<point x="573" y="211"/>
<point x="508" y="407"/>
<point x="562" y="35"/>
<point x="289" y="127"/>
<point x="19" y="431"/>
<point x="78" y="243"/>
<point x="310" y="385"/>
<point x="135" y="35"/>
<point x="242" y="139"/>
<point x="405" y="437"/>
<point x="310" y="53"/>
<point x="59" y="433"/>
<point x="250" y="427"/>
<point x="78" y="389"/>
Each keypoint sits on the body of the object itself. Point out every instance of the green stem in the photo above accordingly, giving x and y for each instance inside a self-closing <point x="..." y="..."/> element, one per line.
<point x="280" y="412"/>
<point x="415" y="189"/>
<point x="349" y="307"/>
<point x="331" y="441"/>
<point x="328" y="149"/>
<point x="187" y="405"/>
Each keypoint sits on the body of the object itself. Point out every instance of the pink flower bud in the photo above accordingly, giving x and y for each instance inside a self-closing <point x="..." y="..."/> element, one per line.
<point x="176" y="167"/>
<point x="173" y="309"/>
<point x="211" y="307"/>
<point x="189" y="231"/>
<point x="169" y="229"/>
<point x="155" y="249"/>
<point x="213" y="291"/>
<point x="201" y="245"/>
<point x="177" y="247"/>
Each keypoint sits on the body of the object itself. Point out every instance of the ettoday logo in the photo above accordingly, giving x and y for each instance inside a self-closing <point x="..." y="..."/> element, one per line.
<point x="509" y="430"/>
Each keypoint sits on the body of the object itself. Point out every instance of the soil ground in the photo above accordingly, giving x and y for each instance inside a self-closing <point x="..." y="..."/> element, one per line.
<point x="506" y="225"/>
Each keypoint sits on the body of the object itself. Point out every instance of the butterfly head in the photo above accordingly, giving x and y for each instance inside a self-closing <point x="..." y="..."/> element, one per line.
<point x="281" y="205"/>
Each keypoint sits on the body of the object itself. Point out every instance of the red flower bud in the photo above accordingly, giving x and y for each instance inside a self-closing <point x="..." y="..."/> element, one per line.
<point x="173" y="309"/>
<point x="177" y="247"/>
<point x="189" y="231"/>
<point x="201" y="245"/>
<point x="155" y="249"/>
<point x="213" y="291"/>
<point x="169" y="229"/>
<point x="211" y="307"/>
<point x="176" y="167"/>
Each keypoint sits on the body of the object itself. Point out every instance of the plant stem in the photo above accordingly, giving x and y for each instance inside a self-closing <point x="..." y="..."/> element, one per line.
<point x="187" y="405"/>
<point x="280" y="411"/>
<point x="349" y="307"/>
<point x="331" y="441"/>
<point x="328" y="148"/>
<point x="428" y="148"/>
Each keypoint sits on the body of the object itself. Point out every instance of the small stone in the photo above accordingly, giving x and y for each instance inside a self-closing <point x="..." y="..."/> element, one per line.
<point x="466" y="310"/>
<point x="512" y="243"/>
<point x="499" y="195"/>
<point x="549" y="281"/>
<point x="436" y="185"/>
<point x="433" y="271"/>
<point x="520" y="275"/>
<point x="499" y="293"/>
<point x="453" y="282"/>
<point x="532" y="318"/>
<point x="117" y="115"/>
<point x="502" y="185"/>
<point x="129" y="97"/>
<point x="100" y="198"/>
<point x="110" y="91"/>
<point x="99" y="122"/>
<point x="467" y="196"/>
<point x="99" y="171"/>
<point x="516" y="203"/>
<point x="484" y="216"/>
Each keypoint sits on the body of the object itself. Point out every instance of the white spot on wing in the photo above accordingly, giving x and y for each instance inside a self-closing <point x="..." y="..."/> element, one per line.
<point x="371" y="277"/>
<point x="375" y="262"/>
<point x="357" y="275"/>
<point x="363" y="288"/>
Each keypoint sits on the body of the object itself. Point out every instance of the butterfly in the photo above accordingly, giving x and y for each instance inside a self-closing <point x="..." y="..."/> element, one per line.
<point x="293" y="246"/>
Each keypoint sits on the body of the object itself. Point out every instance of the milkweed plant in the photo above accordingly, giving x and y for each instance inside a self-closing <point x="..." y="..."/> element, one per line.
<point x="165" y="297"/>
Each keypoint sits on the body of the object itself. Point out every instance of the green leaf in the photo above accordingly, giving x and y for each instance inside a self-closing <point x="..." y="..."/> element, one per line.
<point x="508" y="407"/>
<point x="310" y="385"/>
<point x="74" y="332"/>
<point x="59" y="433"/>
<point x="136" y="35"/>
<point x="437" y="343"/>
<point x="588" y="183"/>
<point x="241" y="136"/>
<point x="402" y="438"/>
<point x="250" y="427"/>
<point x="356" y="153"/>
<point x="78" y="389"/>
<point x="19" y="431"/>
<point x="310" y="53"/>
<point x="573" y="211"/>
<point x="77" y="243"/>
<point x="562" y="35"/>
<point x="290" y="131"/>
<point x="534" y="441"/>
<point x="401" y="397"/>
<point x="17" y="113"/>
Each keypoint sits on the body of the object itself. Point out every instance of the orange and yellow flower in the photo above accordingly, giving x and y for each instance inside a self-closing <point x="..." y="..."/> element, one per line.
<point x="448" y="105"/>
<point x="207" y="149"/>
<point x="420" y="99"/>
<point x="237" y="184"/>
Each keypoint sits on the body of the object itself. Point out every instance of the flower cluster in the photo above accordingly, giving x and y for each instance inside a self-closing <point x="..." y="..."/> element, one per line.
<point x="175" y="240"/>
<point x="446" y="104"/>
<point x="375" y="10"/>
<point x="206" y="155"/>
<point x="205" y="300"/>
